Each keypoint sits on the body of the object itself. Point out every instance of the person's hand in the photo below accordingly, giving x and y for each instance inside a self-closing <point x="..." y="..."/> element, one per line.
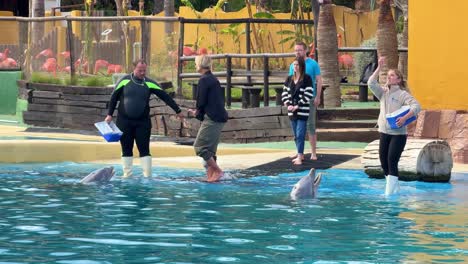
<point x="317" y="101"/>
<point x="401" y="120"/>
<point x="290" y="108"/>
<point x="191" y="112"/>
<point x="386" y="87"/>
<point x="180" y="116"/>
<point x="381" y="61"/>
<point x="295" y="108"/>
<point x="108" y="118"/>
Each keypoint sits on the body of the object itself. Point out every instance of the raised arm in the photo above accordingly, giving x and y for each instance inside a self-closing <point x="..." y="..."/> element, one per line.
<point x="373" y="83"/>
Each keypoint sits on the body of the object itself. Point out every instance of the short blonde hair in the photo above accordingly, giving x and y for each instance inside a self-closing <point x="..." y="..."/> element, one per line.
<point x="203" y="62"/>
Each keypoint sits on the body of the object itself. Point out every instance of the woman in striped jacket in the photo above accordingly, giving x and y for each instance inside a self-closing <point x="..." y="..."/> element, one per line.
<point x="296" y="96"/>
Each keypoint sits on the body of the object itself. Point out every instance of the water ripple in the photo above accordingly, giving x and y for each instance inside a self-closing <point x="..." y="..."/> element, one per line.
<point x="226" y="259"/>
<point x="31" y="228"/>
<point x="282" y="247"/>
<point x="144" y="234"/>
<point x="238" y="240"/>
<point x="133" y="243"/>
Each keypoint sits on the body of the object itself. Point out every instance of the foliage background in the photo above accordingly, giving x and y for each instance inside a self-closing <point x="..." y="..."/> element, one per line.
<point x="232" y="5"/>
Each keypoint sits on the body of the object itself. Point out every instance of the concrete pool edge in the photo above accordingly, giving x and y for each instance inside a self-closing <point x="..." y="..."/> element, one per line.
<point x="73" y="147"/>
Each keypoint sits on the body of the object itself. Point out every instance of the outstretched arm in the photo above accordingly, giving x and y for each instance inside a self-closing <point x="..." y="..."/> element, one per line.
<point x="373" y="84"/>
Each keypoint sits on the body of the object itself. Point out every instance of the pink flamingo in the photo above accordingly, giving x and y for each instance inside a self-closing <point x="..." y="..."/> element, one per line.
<point x="345" y="60"/>
<point x="50" y="65"/>
<point x="100" y="64"/>
<point x="48" y="53"/>
<point x="114" y="68"/>
<point x="84" y="66"/>
<point x="8" y="63"/>
<point x="4" y="55"/>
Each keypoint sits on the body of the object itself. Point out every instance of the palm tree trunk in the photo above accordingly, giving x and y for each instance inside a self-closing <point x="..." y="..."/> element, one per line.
<point x="316" y="11"/>
<point x="387" y="43"/>
<point x="261" y="5"/>
<point x="38" y="27"/>
<point x="328" y="55"/>
<point x="362" y="5"/>
<point x="122" y="10"/>
<point x="403" y="57"/>
<point x="158" y="6"/>
<point x="169" y="11"/>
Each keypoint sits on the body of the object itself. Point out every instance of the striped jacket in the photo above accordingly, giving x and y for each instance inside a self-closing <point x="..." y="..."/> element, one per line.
<point x="298" y="94"/>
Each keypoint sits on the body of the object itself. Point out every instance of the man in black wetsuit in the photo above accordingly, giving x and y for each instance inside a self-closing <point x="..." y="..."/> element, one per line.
<point x="133" y="119"/>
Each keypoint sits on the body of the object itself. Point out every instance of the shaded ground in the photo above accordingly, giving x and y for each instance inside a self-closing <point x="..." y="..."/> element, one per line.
<point x="284" y="165"/>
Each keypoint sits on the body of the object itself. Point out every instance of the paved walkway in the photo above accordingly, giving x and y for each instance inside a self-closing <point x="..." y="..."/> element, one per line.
<point x="20" y="144"/>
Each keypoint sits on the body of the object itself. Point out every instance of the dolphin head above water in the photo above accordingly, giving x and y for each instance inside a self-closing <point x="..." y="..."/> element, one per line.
<point x="99" y="176"/>
<point x="307" y="186"/>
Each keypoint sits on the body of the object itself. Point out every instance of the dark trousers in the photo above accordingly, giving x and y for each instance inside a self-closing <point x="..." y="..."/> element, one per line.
<point x="390" y="149"/>
<point x="138" y="131"/>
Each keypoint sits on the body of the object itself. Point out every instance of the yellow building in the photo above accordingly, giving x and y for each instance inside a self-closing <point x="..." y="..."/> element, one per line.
<point x="438" y="54"/>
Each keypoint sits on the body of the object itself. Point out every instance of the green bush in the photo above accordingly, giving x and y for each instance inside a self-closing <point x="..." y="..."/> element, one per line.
<point x="61" y="79"/>
<point x="93" y="81"/>
<point x="37" y="77"/>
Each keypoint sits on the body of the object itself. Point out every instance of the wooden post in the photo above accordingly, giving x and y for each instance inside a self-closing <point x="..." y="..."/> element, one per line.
<point x="180" y="53"/>
<point x="145" y="37"/>
<point x="247" y="49"/>
<point x="71" y="47"/>
<point x="228" y="80"/>
<point x="363" y="93"/>
<point x="266" y="73"/>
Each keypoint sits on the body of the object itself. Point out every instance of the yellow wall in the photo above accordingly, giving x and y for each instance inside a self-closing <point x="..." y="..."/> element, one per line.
<point x="358" y="27"/>
<point x="437" y="57"/>
<point x="8" y="30"/>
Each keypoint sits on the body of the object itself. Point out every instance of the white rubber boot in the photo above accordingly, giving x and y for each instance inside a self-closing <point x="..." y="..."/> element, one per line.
<point x="146" y="165"/>
<point x="392" y="186"/>
<point x="127" y="164"/>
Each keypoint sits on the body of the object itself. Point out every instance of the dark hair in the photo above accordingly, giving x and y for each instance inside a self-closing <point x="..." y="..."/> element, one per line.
<point x="301" y="43"/>
<point x="301" y="63"/>
<point x="142" y="61"/>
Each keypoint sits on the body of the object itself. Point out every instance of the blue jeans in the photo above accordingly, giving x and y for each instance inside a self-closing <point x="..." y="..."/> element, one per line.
<point x="299" y="130"/>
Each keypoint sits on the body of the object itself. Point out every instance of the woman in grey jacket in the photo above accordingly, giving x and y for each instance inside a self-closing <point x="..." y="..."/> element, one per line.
<point x="393" y="95"/>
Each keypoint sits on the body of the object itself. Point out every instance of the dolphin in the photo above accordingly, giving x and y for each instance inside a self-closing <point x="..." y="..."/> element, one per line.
<point x="99" y="176"/>
<point x="307" y="186"/>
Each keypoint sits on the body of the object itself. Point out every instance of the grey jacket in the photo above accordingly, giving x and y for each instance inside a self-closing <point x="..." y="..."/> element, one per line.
<point x="391" y="101"/>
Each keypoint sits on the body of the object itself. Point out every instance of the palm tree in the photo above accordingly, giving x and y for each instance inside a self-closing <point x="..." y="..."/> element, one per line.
<point x="387" y="43"/>
<point x="122" y="10"/>
<point x="327" y="45"/>
<point x="37" y="27"/>
<point x="316" y="11"/>
<point x="362" y="5"/>
<point x="261" y="5"/>
<point x="403" y="57"/>
<point x="158" y="6"/>
<point x="169" y="11"/>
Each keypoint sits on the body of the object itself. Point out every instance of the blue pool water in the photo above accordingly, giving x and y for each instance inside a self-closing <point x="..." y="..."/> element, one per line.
<point x="47" y="217"/>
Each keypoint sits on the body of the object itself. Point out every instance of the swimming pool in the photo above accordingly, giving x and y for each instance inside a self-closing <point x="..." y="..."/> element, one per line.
<point x="47" y="217"/>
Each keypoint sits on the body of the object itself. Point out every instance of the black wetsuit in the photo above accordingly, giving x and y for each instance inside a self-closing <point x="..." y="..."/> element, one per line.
<point x="133" y="117"/>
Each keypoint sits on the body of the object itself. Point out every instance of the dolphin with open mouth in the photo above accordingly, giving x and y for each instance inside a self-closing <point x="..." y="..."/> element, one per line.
<point x="102" y="175"/>
<point x="307" y="186"/>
